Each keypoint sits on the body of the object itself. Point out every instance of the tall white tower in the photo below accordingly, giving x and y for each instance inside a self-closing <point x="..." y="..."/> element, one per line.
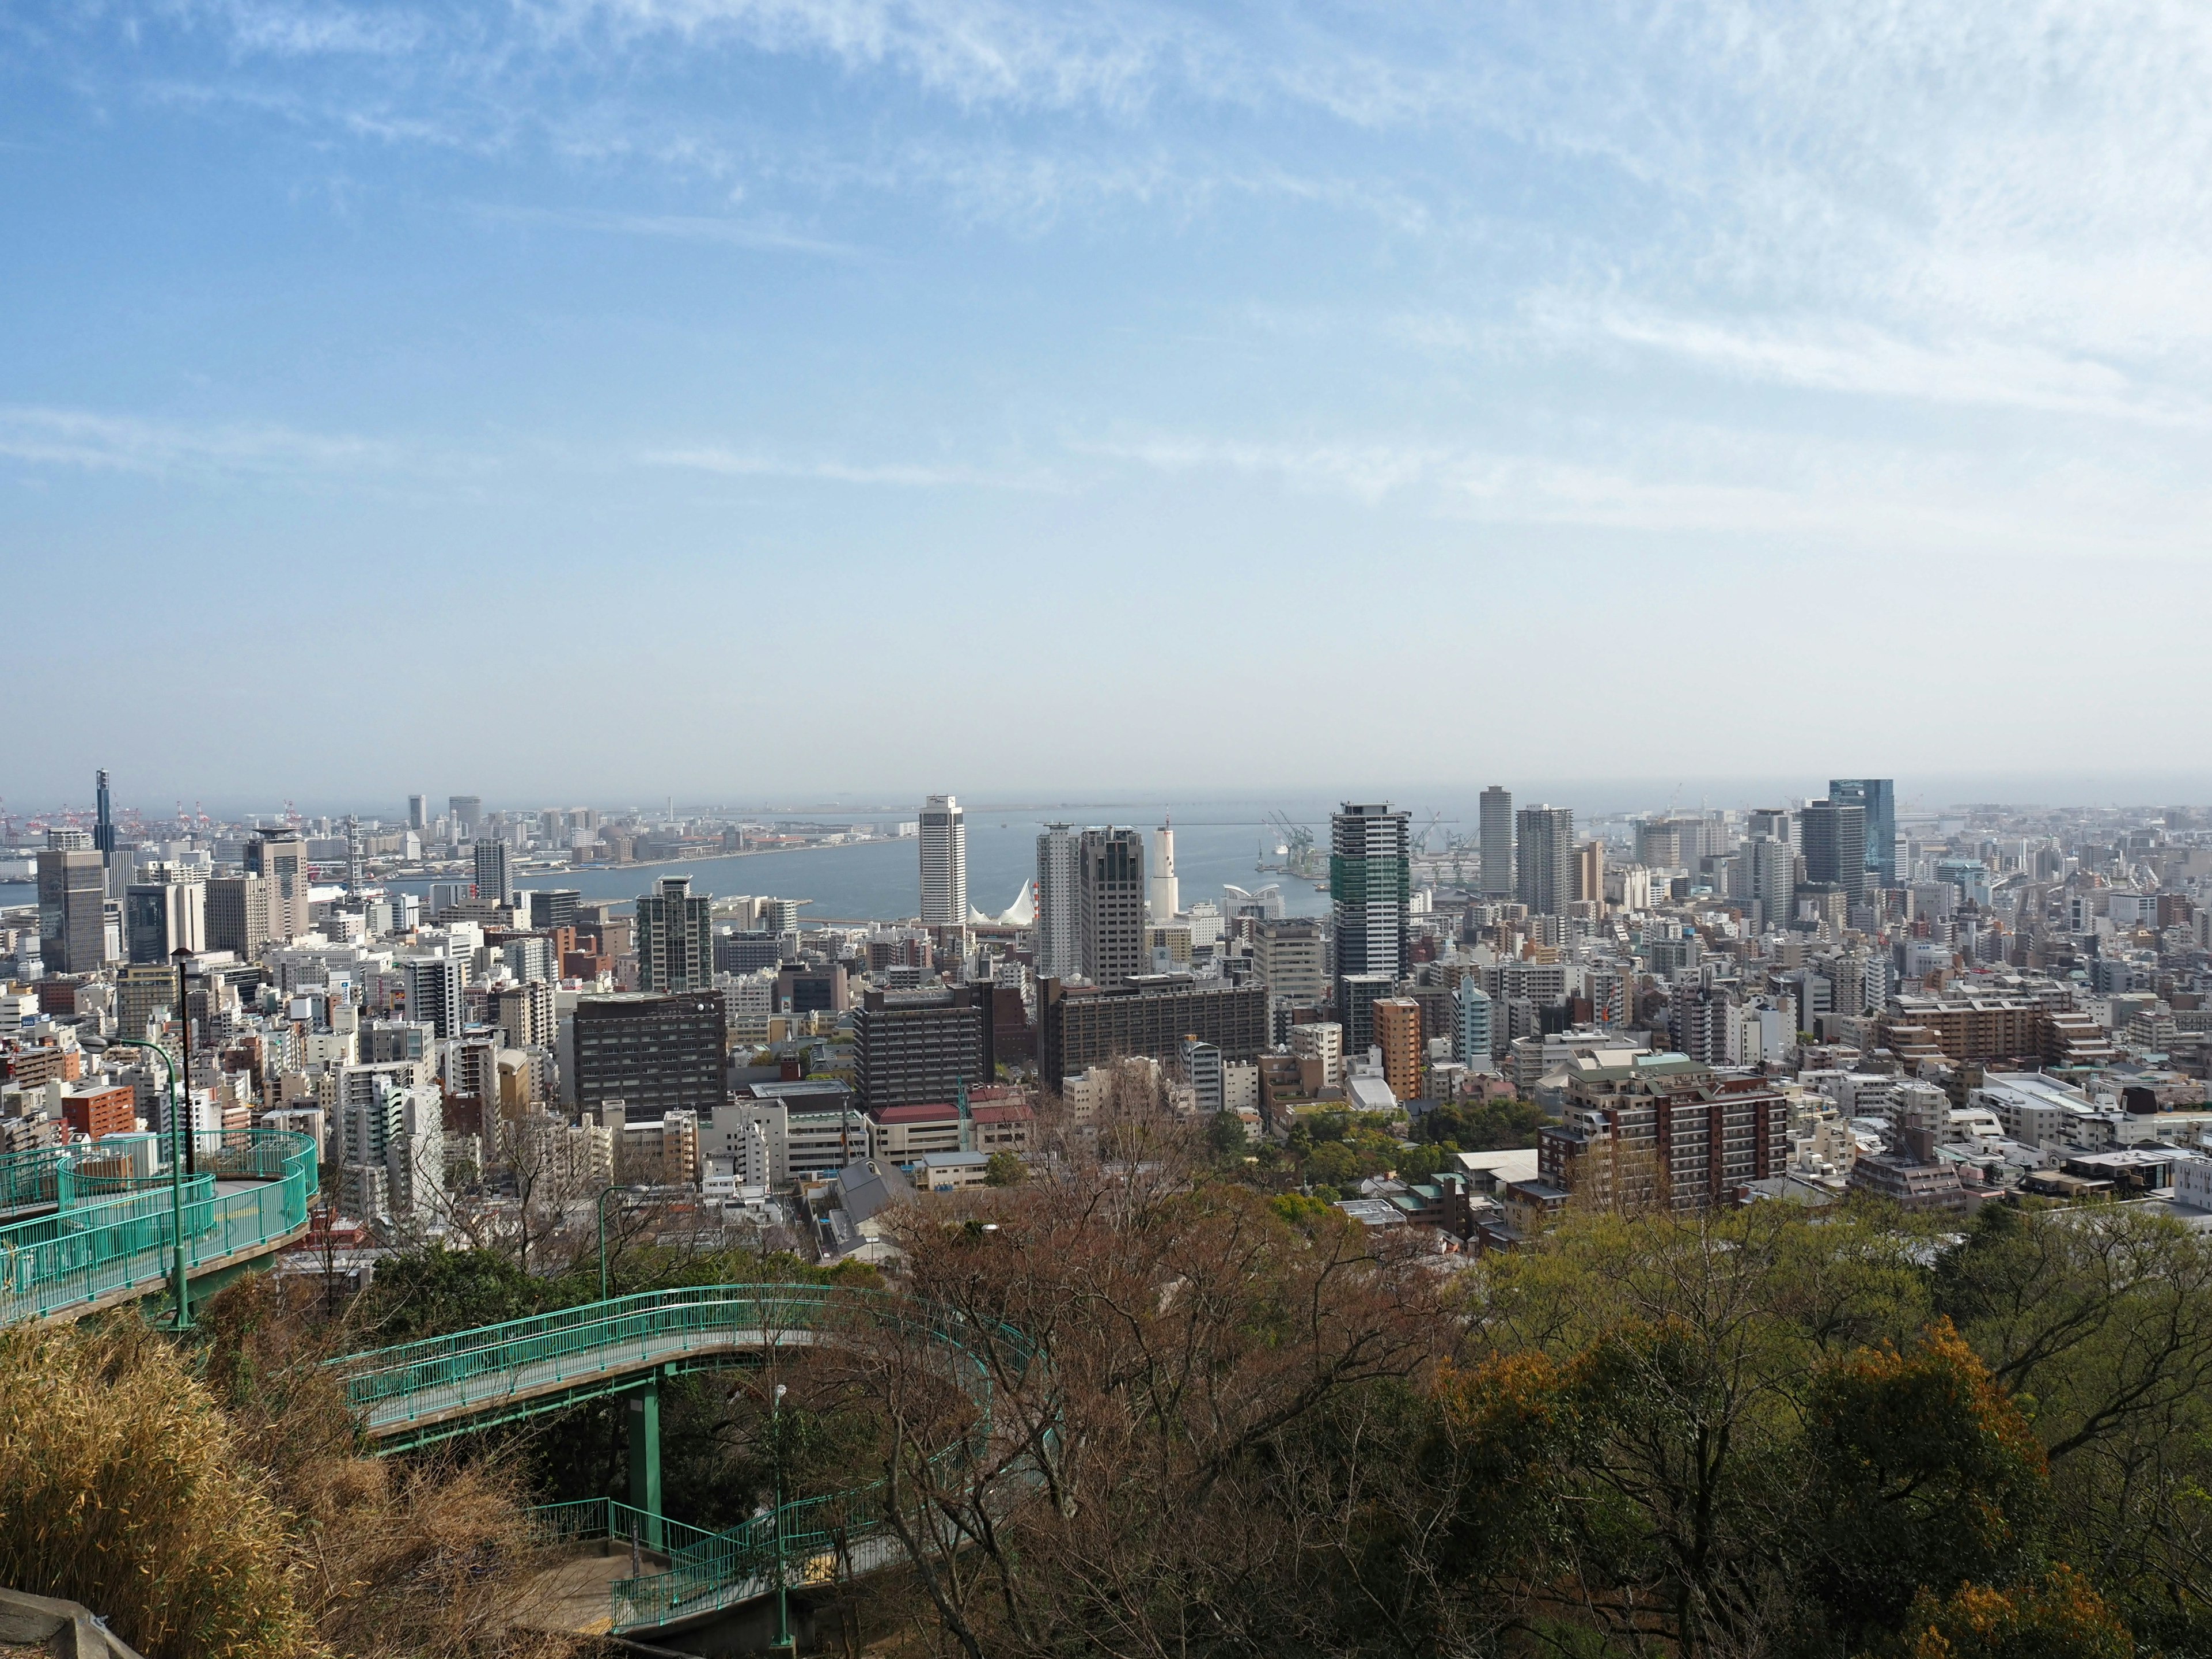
<point x="944" y="863"/>
<point x="1163" y="899"/>
<point x="1059" y="950"/>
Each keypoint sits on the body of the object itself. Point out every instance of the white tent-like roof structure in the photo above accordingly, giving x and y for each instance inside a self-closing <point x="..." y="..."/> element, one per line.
<point x="1022" y="913"/>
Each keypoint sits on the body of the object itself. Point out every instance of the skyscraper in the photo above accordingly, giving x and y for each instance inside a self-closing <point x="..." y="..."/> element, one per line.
<point x="164" y="916"/>
<point x="280" y="855"/>
<point x="238" y="915"/>
<point x="72" y="905"/>
<point x="1369" y="887"/>
<point x="103" y="831"/>
<point x="944" y="863"/>
<point x="418" y="812"/>
<point x="1471" y="1042"/>
<point x="1879" y="797"/>
<point x="468" y="813"/>
<point x="1546" y="854"/>
<point x="1109" y="872"/>
<point x="1770" y="878"/>
<point x="1834" y="836"/>
<point x="1590" y="871"/>
<point x="675" y="938"/>
<point x="1161" y="898"/>
<point x="1059" y="950"/>
<point x="493" y="880"/>
<point x="1496" y="834"/>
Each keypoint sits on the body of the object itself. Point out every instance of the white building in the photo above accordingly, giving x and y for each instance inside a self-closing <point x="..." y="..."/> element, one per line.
<point x="1163" y="899"/>
<point x="944" y="863"/>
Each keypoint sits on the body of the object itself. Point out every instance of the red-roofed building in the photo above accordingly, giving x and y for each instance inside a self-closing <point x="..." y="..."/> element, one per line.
<point x="1007" y="1128"/>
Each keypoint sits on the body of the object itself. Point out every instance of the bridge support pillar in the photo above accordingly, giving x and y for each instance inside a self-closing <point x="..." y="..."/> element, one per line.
<point x="644" y="1422"/>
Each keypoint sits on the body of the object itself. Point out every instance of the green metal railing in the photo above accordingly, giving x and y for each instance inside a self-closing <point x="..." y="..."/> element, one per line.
<point x="31" y="1178"/>
<point x="84" y="1251"/>
<point x="525" y="1365"/>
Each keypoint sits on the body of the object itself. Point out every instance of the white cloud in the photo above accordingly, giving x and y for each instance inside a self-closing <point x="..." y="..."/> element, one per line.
<point x="96" y="442"/>
<point x="739" y="464"/>
<point x="675" y="226"/>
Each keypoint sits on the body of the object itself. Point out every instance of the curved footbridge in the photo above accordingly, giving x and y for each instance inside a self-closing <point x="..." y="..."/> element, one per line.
<point x="421" y="1392"/>
<point x="94" y="1225"/>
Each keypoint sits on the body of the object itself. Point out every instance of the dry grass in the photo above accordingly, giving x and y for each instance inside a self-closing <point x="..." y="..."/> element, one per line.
<point x="120" y="1488"/>
<point x="230" y="1512"/>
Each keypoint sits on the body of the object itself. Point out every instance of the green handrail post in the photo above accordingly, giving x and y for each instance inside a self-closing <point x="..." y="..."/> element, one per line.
<point x="183" y="1321"/>
<point x="776" y="1521"/>
<point x="645" y="1458"/>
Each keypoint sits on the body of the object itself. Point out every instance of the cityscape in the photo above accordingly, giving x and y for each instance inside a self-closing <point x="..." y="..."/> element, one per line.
<point x="1105" y="830"/>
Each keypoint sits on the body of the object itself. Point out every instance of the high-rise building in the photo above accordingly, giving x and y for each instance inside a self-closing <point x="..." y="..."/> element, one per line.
<point x="1202" y="1072"/>
<point x="1082" y="1026"/>
<point x="1497" y="839"/>
<point x="675" y="938"/>
<point x="161" y="918"/>
<point x="1370" y="888"/>
<point x="654" y="1053"/>
<point x="1545" y="858"/>
<point x="103" y="830"/>
<point x="279" y="856"/>
<point x="238" y="915"/>
<point x="1398" y="1034"/>
<point x="1769" y="867"/>
<point x="467" y="812"/>
<point x="1834" y="836"/>
<point x="1471" y="1044"/>
<point x="918" y="1048"/>
<point x="1772" y="821"/>
<point x="944" y="863"/>
<point x="1291" y="956"/>
<point x="553" y="907"/>
<point x="418" y="812"/>
<point x="1059" y="949"/>
<point x="1356" y="996"/>
<point x="1109" y="907"/>
<point x="1590" y="871"/>
<point x="494" y="879"/>
<point x="1878" y="796"/>
<point x="72" y="909"/>
<point x="1163" y="898"/>
<point x="433" y="987"/>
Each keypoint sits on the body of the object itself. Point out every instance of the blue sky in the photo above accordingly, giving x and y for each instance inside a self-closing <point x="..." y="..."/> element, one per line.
<point x="753" y="397"/>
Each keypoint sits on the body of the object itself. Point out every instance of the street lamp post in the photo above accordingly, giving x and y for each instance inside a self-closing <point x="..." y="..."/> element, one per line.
<point x="783" y="1641"/>
<point x="183" y="1321"/>
<point x="602" y="1208"/>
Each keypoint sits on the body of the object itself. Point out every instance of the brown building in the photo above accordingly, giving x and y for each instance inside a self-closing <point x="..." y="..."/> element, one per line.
<point x="1081" y="1026"/>
<point x="1398" y="1034"/>
<point x="1663" y="1129"/>
<point x="97" y="1109"/>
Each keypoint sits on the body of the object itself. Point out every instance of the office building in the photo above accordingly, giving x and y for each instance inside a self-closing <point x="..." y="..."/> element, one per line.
<point x="655" y="1053"/>
<point x="1291" y="957"/>
<point x="467" y="813"/>
<point x="1057" y="953"/>
<point x="494" y="879"/>
<point x="1472" y="1032"/>
<point x="1356" y="996"/>
<point x="944" y="863"/>
<point x="1832" y="835"/>
<point x="675" y="938"/>
<point x="1083" y="1026"/>
<point x="418" y="813"/>
<point x="914" y="1047"/>
<point x="1544" y="858"/>
<point x="72" y="908"/>
<point x="1497" y="842"/>
<point x="524" y="1013"/>
<point x="1590" y="871"/>
<point x="1203" y="1074"/>
<point x="1878" y="797"/>
<point x="238" y="915"/>
<point x="1163" y="899"/>
<point x="1397" y="1034"/>
<point x="279" y="856"/>
<point x="1767" y="870"/>
<point x="161" y="918"/>
<point x="552" y="906"/>
<point x="1370" y="889"/>
<point x="1109" y="908"/>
